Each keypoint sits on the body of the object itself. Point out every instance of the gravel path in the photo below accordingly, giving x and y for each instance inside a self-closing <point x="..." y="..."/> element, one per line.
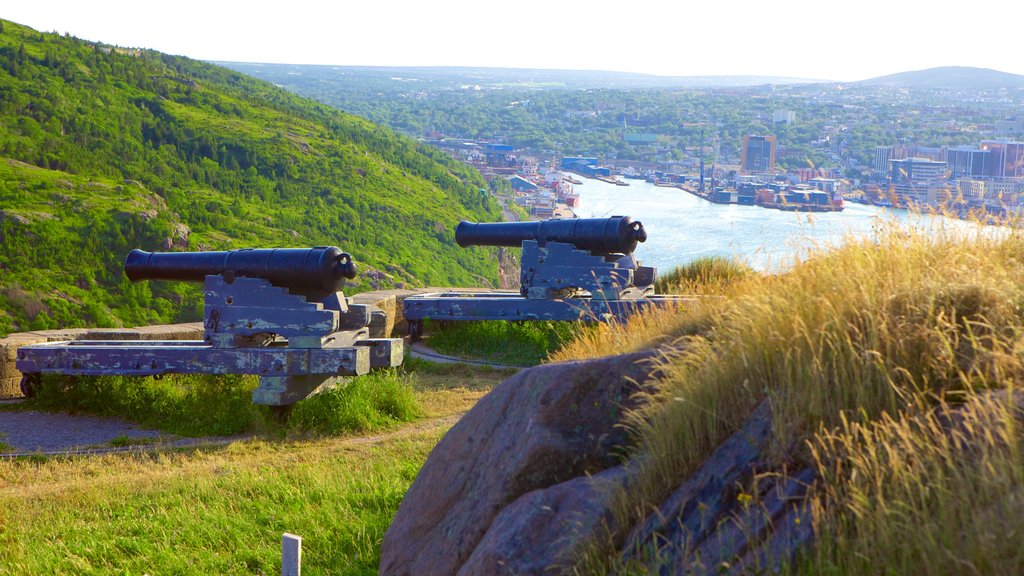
<point x="424" y="352"/>
<point x="34" y="432"/>
<point x="50" y="431"/>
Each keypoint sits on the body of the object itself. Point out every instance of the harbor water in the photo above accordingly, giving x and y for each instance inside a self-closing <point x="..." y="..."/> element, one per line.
<point x="682" y="227"/>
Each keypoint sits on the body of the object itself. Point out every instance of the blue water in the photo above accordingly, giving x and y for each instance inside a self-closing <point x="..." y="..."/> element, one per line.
<point x="682" y="227"/>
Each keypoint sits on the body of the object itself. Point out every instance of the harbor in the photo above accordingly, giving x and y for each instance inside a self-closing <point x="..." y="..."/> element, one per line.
<point x="684" y="226"/>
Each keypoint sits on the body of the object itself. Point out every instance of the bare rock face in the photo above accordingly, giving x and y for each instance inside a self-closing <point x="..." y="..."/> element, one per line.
<point x="475" y="507"/>
<point x="707" y="526"/>
<point x="178" y="238"/>
<point x="544" y="531"/>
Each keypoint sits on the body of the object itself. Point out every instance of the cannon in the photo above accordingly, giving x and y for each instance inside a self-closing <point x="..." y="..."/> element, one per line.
<point x="314" y="272"/>
<point x="276" y="313"/>
<point x="575" y="269"/>
<point x="618" y="234"/>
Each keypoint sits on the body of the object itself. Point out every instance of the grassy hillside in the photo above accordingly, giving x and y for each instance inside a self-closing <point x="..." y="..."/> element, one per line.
<point x="859" y="353"/>
<point x="104" y="149"/>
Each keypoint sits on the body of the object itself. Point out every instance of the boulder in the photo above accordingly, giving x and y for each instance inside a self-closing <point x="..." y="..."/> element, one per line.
<point x="542" y="427"/>
<point x="691" y="513"/>
<point x="546" y="530"/>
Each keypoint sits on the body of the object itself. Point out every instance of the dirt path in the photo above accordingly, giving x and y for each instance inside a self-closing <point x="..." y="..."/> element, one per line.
<point x="35" y="433"/>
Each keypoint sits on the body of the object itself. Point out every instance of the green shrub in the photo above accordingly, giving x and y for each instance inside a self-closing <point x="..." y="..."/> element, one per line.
<point x="362" y="404"/>
<point x="207" y="405"/>
<point x="500" y="341"/>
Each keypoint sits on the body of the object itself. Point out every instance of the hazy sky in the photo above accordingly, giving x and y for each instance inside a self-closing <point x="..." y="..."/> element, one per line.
<point x="834" y="40"/>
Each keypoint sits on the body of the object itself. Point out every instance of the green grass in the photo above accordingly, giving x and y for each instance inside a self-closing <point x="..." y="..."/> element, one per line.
<point x="123" y="440"/>
<point x="204" y="405"/>
<point x="221" y="512"/>
<point x="373" y="402"/>
<point x="709" y="274"/>
<point x="500" y="341"/>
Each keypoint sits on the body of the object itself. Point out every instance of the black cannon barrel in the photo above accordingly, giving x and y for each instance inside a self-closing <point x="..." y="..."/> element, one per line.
<point x="614" y="235"/>
<point x="304" y="271"/>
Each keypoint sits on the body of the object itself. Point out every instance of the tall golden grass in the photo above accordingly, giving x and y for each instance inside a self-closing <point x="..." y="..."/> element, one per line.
<point x="922" y="494"/>
<point x="874" y="331"/>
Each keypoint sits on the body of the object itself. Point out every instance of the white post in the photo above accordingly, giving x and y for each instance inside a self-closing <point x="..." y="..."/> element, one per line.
<point x="291" y="555"/>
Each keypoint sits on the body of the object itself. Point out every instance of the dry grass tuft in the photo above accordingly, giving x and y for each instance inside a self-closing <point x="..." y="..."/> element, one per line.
<point x="923" y="494"/>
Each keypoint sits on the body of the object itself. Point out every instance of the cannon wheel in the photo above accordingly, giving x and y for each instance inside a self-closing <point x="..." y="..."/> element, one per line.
<point x="415" y="330"/>
<point x="30" y="384"/>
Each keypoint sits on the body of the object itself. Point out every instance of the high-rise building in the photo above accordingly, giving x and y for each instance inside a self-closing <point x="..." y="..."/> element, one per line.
<point x="917" y="170"/>
<point x="1006" y="160"/>
<point x="758" y="154"/>
<point x="882" y="157"/>
<point x="968" y="161"/>
<point x="918" y="180"/>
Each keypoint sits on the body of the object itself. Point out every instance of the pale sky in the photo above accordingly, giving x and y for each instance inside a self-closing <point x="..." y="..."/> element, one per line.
<point x="820" y="39"/>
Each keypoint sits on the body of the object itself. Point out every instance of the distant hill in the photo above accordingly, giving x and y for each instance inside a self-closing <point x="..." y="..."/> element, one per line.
<point x="454" y="77"/>
<point x="104" y="149"/>
<point x="951" y="77"/>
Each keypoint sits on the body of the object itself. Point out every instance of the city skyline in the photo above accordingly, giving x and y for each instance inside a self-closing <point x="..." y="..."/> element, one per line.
<point x="794" y="38"/>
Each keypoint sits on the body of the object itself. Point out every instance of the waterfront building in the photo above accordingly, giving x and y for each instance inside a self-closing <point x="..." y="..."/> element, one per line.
<point x="940" y="193"/>
<point x="972" y="191"/>
<point x="520" y="184"/>
<point x="919" y="180"/>
<point x="576" y="162"/>
<point x="1003" y="193"/>
<point x="917" y="170"/>
<point x="499" y="155"/>
<point x="830" y="185"/>
<point x="758" y="155"/>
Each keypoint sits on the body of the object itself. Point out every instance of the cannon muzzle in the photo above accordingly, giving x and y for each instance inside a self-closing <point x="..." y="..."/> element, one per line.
<point x="305" y="271"/>
<point x="614" y="235"/>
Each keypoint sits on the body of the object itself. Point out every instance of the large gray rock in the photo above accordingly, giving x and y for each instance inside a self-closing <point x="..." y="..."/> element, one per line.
<point x="693" y="510"/>
<point x="705" y="527"/>
<point x="546" y="530"/>
<point x="539" y="428"/>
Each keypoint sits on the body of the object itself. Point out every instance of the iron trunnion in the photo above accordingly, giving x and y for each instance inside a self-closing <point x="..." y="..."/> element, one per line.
<point x="576" y="269"/>
<point x="276" y="313"/>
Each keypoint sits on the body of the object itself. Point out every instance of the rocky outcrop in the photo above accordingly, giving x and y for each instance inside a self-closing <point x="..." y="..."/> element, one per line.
<point x="547" y="529"/>
<point x="474" y="508"/>
<point x="527" y="481"/>
<point x="178" y="240"/>
<point x="710" y="525"/>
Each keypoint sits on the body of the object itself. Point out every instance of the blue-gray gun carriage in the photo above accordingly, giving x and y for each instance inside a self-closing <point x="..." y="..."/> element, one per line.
<point x="276" y="313"/>
<point x="576" y="269"/>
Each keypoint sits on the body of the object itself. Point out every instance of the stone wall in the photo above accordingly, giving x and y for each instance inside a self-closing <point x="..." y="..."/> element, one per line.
<point x="381" y="326"/>
<point x="10" y="377"/>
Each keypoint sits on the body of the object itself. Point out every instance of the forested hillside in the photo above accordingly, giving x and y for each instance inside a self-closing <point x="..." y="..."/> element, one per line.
<point x="104" y="149"/>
